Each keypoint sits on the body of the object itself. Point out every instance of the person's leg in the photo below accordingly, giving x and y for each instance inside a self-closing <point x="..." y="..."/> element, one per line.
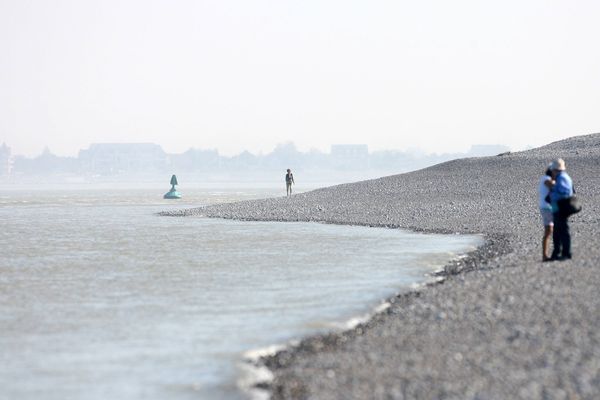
<point x="556" y="242"/>
<point x="566" y="239"/>
<point x="546" y="242"/>
<point x="548" y="222"/>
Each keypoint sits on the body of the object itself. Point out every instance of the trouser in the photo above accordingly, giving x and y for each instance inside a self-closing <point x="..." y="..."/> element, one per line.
<point x="561" y="237"/>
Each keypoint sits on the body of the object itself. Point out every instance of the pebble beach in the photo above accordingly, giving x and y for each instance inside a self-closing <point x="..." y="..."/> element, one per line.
<point x="500" y="325"/>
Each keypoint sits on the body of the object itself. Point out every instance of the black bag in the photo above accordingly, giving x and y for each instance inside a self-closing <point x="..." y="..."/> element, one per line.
<point x="568" y="206"/>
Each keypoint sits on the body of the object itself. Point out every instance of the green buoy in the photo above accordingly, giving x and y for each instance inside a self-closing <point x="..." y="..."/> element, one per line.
<point x="173" y="193"/>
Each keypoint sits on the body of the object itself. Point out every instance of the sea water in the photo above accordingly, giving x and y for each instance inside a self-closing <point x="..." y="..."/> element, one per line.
<point x="101" y="298"/>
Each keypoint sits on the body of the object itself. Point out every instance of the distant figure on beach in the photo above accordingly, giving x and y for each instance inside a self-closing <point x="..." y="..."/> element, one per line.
<point x="561" y="190"/>
<point x="289" y="181"/>
<point x="544" y="187"/>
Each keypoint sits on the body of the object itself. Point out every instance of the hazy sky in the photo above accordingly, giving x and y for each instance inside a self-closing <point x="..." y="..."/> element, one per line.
<point x="240" y="74"/>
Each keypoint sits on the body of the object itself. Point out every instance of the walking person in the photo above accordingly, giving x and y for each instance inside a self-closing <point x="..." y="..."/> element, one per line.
<point x="562" y="189"/>
<point x="545" y="185"/>
<point x="289" y="181"/>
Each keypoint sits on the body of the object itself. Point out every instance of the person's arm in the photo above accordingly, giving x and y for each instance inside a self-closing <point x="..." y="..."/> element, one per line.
<point x="549" y="183"/>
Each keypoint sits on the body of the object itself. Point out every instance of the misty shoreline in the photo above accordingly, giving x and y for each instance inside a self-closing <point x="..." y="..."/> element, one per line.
<point x="506" y="329"/>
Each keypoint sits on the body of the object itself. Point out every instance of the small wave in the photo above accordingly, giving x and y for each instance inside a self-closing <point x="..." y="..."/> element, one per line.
<point x="254" y="373"/>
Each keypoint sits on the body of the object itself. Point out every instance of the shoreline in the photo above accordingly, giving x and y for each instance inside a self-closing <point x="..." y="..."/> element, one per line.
<point x="513" y="327"/>
<point x="263" y="362"/>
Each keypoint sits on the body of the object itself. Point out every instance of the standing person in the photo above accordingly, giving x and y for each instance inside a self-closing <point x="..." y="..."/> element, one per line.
<point x="562" y="189"/>
<point x="544" y="188"/>
<point x="289" y="180"/>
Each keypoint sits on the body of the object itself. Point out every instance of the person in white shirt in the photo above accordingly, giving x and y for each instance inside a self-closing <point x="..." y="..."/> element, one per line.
<point x="544" y="187"/>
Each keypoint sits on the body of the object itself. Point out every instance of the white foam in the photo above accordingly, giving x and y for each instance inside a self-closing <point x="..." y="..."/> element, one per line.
<point x="352" y="322"/>
<point x="254" y="373"/>
<point x="255" y="355"/>
<point x="421" y="285"/>
<point x="382" y="307"/>
<point x="357" y="320"/>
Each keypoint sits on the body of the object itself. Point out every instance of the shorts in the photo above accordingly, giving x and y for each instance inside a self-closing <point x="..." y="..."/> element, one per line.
<point x="547" y="217"/>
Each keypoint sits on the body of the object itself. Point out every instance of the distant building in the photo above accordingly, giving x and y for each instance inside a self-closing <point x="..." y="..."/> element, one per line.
<point x="350" y="156"/>
<point x="284" y="156"/>
<point x="123" y="158"/>
<point x="46" y="164"/>
<point x="5" y="160"/>
<point x="196" y="160"/>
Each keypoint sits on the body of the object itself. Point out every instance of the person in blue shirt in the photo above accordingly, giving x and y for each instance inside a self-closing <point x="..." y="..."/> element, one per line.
<point x="562" y="189"/>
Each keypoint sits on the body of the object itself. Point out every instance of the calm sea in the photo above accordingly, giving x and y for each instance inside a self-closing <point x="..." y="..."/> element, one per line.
<point x="100" y="298"/>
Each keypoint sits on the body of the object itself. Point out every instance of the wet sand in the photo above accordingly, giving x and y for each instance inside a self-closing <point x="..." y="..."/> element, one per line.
<point x="501" y="325"/>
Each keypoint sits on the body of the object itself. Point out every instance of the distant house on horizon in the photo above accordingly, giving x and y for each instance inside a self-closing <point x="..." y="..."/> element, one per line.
<point x="123" y="158"/>
<point x="194" y="160"/>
